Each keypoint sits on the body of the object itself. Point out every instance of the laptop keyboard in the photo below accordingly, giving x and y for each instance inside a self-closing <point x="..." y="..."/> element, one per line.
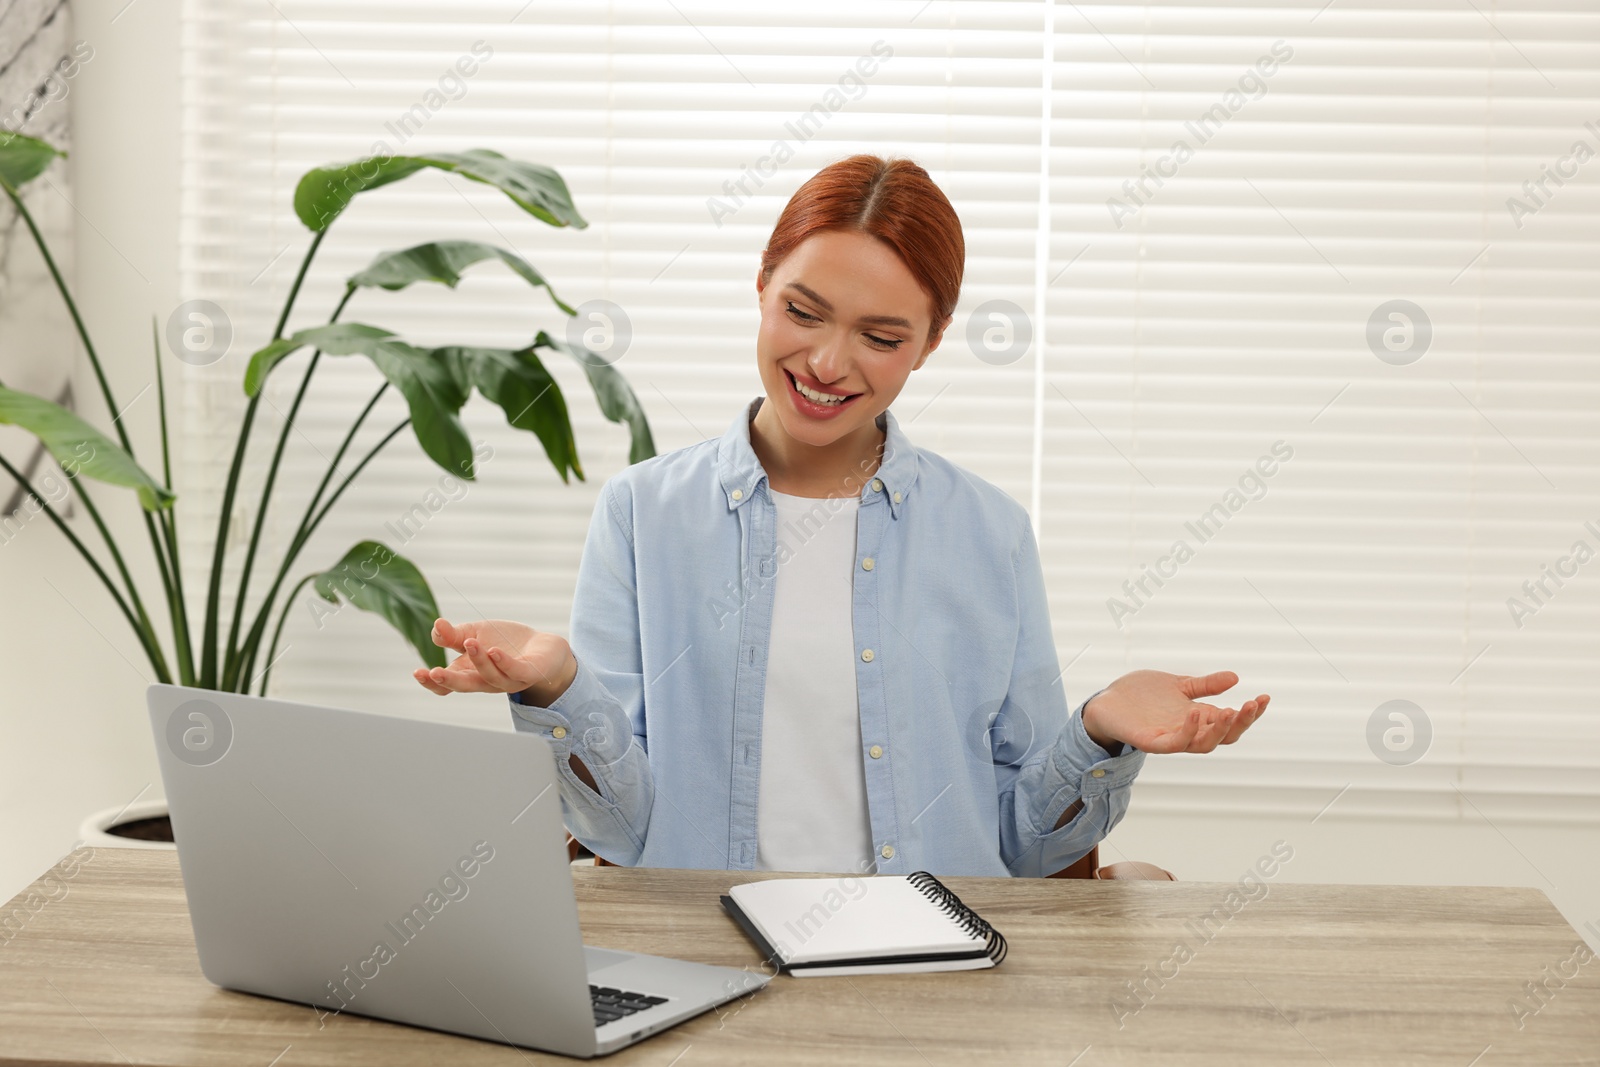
<point x="613" y="1004"/>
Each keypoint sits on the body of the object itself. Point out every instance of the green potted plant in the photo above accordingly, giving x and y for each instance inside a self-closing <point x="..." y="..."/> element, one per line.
<point x="233" y="651"/>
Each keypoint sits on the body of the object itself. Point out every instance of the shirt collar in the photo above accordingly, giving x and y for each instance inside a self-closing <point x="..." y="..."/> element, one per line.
<point x="740" y="471"/>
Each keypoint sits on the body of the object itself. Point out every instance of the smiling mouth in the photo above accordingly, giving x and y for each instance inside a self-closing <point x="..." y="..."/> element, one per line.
<point x="816" y="397"/>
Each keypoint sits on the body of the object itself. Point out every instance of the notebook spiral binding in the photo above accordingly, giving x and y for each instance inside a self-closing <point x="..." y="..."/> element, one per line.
<point x="951" y="905"/>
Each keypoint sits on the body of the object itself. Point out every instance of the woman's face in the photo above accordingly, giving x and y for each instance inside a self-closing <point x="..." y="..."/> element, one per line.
<point x="841" y="316"/>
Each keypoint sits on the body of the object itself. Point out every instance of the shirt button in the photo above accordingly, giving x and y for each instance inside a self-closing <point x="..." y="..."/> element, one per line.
<point x="897" y="498"/>
<point x="876" y="751"/>
<point x="877" y="485"/>
<point x="1098" y="772"/>
<point x="738" y="494"/>
<point x="887" y="852"/>
<point x="559" y="732"/>
<point x="867" y="564"/>
<point x="866" y="655"/>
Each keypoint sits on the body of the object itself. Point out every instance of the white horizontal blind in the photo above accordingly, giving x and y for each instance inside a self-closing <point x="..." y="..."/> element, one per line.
<point x="1176" y="348"/>
<point x="1290" y="170"/>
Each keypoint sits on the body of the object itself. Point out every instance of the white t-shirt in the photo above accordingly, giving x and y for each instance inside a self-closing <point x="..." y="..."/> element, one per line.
<point x="812" y="807"/>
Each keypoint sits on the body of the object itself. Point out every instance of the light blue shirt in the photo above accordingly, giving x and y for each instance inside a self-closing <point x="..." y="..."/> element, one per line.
<point x="971" y="754"/>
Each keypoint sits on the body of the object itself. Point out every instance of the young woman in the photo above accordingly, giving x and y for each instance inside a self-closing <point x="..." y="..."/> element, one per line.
<point x="810" y="645"/>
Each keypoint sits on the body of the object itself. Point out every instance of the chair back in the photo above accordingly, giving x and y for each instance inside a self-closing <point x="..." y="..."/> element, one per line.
<point x="1083" y="868"/>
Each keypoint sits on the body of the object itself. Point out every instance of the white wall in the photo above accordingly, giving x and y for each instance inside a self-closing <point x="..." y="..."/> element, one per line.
<point x="73" y="736"/>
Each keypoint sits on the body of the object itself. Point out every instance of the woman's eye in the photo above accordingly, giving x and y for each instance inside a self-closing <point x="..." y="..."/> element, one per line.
<point x="888" y="344"/>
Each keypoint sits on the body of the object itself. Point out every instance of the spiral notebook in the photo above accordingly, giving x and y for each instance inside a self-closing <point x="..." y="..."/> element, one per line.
<point x="886" y="924"/>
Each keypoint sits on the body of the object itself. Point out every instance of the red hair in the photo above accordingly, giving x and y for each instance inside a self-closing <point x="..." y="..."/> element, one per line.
<point x="893" y="200"/>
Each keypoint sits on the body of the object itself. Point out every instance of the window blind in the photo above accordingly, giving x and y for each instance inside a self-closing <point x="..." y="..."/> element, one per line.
<point x="1319" y="364"/>
<point x="1313" y="345"/>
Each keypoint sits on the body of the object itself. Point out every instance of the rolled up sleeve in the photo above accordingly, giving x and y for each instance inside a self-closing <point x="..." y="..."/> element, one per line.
<point x="1066" y="766"/>
<point x="1104" y="782"/>
<point x="600" y="717"/>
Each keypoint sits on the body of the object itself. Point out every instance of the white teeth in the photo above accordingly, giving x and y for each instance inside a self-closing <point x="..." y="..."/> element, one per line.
<point x="816" y="397"/>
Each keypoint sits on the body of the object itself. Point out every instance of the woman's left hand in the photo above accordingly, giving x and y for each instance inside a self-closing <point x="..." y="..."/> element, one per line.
<point x="1159" y="712"/>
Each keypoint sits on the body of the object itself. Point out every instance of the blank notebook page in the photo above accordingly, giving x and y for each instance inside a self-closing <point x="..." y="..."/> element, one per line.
<point x="813" y="919"/>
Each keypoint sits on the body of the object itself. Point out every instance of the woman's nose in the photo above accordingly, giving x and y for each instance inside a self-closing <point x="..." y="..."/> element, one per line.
<point x="830" y="362"/>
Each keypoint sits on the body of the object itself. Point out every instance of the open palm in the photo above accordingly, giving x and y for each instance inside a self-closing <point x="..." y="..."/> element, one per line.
<point x="499" y="656"/>
<point x="1159" y="712"/>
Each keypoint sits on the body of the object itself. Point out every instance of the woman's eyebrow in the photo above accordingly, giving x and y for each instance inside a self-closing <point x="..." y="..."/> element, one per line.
<point x="884" y="320"/>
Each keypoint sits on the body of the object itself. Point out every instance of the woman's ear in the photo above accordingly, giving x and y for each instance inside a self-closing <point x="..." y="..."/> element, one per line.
<point x="932" y="344"/>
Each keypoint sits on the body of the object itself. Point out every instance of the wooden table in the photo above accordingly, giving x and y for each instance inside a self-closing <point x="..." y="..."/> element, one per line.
<point x="1301" y="974"/>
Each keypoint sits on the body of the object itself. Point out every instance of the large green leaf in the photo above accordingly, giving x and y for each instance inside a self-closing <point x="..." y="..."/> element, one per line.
<point x="324" y="192"/>
<point x="23" y="158"/>
<point x="519" y="384"/>
<point x="81" y="449"/>
<point x="616" y="397"/>
<point x="375" y="579"/>
<point x="437" y="383"/>
<point x="435" y="386"/>
<point x="339" y="339"/>
<point x="443" y="262"/>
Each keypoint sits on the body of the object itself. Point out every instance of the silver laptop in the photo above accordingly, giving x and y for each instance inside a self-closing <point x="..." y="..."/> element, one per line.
<point x="412" y="871"/>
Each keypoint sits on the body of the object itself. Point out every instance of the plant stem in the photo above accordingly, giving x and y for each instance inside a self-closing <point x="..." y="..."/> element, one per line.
<point x="72" y="309"/>
<point x="208" y="668"/>
<point x="180" y="614"/>
<point x="333" y="466"/>
<point x="105" y="579"/>
<point x="253" y="641"/>
<point x="299" y="279"/>
<point x="272" y="649"/>
<point x="177" y="604"/>
<point x="337" y="493"/>
<point x="208" y="638"/>
<point x="311" y="508"/>
<point x="161" y="401"/>
<point x="100" y="376"/>
<point x="161" y="566"/>
<point x="147" y="634"/>
<point x="231" y="659"/>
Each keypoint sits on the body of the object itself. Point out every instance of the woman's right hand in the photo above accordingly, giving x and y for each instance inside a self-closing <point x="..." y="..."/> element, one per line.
<point x="499" y="656"/>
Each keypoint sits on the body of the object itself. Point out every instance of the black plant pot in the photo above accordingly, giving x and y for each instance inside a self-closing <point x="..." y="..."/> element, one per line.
<point x="158" y="828"/>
